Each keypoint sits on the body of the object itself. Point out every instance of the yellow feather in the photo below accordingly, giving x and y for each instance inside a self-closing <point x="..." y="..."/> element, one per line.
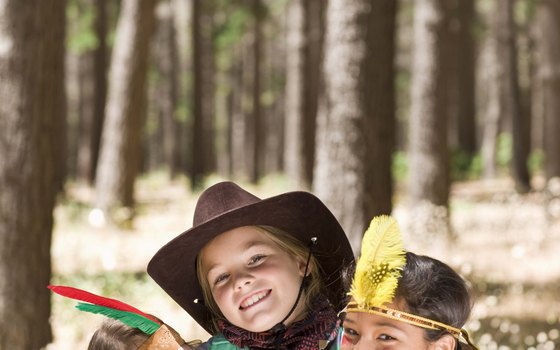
<point x="378" y="268"/>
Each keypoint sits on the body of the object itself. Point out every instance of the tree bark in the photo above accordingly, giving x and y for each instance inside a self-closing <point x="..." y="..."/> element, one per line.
<point x="203" y="153"/>
<point x="428" y="174"/>
<point x="519" y="122"/>
<point x="93" y="114"/>
<point x="32" y="109"/>
<point x="257" y="134"/>
<point x="352" y="160"/>
<point x="303" y="65"/>
<point x="493" y="113"/>
<point x="168" y="65"/>
<point x="121" y="143"/>
<point x="548" y="75"/>
<point x="429" y="156"/>
<point x="462" y="78"/>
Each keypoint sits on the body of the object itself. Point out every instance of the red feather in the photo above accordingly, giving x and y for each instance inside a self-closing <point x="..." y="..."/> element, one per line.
<point x="78" y="294"/>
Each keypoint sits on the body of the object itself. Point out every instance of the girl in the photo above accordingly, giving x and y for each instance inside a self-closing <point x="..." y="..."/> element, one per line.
<point x="259" y="274"/>
<point x="403" y="300"/>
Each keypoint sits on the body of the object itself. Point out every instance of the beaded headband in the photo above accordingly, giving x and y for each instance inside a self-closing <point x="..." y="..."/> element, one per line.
<point x="377" y="274"/>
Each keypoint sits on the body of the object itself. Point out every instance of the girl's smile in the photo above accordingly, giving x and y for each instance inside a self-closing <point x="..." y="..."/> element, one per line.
<point x="253" y="280"/>
<point x="254" y="299"/>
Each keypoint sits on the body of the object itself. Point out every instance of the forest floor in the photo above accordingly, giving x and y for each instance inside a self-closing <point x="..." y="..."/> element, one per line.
<point x="505" y="246"/>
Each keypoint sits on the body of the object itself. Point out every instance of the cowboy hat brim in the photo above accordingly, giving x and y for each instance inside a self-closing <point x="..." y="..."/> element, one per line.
<point x="300" y="214"/>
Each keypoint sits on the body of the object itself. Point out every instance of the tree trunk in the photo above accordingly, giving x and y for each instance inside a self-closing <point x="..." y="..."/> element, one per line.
<point x="236" y="117"/>
<point x="428" y="183"/>
<point x="121" y="143"/>
<point x="379" y="99"/>
<point x="257" y="134"/>
<point x="203" y="154"/>
<point x="183" y="24"/>
<point x="494" y="107"/>
<point x="303" y="65"/>
<point x="275" y="66"/>
<point x="91" y="119"/>
<point x="548" y="75"/>
<point x="520" y="126"/>
<point x="168" y="65"/>
<point x="461" y="97"/>
<point x="32" y="109"/>
<point x="359" y="99"/>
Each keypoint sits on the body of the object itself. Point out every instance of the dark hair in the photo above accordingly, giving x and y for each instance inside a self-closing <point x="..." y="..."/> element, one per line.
<point x="432" y="289"/>
<point x="115" y="335"/>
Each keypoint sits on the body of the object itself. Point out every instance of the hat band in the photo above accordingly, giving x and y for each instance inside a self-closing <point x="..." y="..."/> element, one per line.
<point x="460" y="334"/>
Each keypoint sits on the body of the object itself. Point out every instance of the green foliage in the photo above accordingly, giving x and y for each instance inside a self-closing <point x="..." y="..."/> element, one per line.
<point x="465" y="166"/>
<point x="231" y="28"/>
<point x="476" y="167"/>
<point x="524" y="11"/>
<point x="80" y="35"/>
<point x="536" y="161"/>
<point x="230" y="25"/>
<point x="504" y="150"/>
<point x="399" y="166"/>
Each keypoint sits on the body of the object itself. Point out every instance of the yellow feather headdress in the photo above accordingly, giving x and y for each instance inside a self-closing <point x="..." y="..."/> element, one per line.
<point x="380" y="264"/>
<point x="377" y="275"/>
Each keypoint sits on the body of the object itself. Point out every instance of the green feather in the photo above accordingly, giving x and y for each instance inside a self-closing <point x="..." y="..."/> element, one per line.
<point x="129" y="318"/>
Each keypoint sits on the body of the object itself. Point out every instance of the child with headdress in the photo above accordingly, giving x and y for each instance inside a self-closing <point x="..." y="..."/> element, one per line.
<point x="258" y="273"/>
<point x="400" y="300"/>
<point x="127" y="328"/>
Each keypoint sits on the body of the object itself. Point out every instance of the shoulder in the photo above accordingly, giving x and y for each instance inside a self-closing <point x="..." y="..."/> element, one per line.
<point x="218" y="342"/>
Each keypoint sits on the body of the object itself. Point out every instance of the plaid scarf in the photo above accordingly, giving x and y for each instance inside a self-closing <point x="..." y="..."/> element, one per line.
<point x="321" y="323"/>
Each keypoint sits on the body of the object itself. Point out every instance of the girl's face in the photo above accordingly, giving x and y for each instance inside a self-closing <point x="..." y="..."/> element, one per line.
<point x="368" y="331"/>
<point x="253" y="281"/>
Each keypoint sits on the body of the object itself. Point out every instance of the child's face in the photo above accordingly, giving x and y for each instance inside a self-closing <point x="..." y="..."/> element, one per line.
<point x="253" y="281"/>
<point x="363" y="330"/>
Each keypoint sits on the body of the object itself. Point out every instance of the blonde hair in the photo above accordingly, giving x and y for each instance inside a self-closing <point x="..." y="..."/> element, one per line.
<point x="289" y="244"/>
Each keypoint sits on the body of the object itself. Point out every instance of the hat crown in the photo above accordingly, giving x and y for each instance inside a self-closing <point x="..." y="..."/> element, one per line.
<point x="219" y="199"/>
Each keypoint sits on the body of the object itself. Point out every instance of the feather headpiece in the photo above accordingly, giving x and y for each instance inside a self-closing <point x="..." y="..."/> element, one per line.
<point x="159" y="333"/>
<point x="377" y="275"/>
<point x="378" y="268"/>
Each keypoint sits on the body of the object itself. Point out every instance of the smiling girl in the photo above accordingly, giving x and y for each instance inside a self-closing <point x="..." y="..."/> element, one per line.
<point x="403" y="300"/>
<point x="258" y="274"/>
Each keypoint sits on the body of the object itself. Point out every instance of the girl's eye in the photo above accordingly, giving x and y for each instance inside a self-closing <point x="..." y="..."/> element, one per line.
<point x="255" y="259"/>
<point x="350" y="336"/>
<point x="220" y="278"/>
<point x="385" y="337"/>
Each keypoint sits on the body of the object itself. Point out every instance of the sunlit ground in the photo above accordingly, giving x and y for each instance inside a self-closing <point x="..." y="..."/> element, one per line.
<point x="506" y="247"/>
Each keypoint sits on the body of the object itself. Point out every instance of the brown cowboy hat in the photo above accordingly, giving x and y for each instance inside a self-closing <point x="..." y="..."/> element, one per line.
<point x="226" y="206"/>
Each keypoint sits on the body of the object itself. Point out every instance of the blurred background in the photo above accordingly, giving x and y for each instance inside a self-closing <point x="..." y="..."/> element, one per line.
<point x="114" y="115"/>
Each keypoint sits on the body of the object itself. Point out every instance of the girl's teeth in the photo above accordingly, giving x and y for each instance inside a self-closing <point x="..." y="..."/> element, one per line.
<point x="254" y="299"/>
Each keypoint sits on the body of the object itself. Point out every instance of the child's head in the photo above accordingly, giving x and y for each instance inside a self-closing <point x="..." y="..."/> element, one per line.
<point x="428" y="290"/>
<point x="115" y="335"/>
<point x="127" y="328"/>
<point x="288" y="225"/>
<point x="239" y="269"/>
<point x="414" y="302"/>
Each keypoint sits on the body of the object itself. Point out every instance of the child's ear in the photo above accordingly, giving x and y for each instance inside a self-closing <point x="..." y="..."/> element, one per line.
<point x="301" y="266"/>
<point x="447" y="342"/>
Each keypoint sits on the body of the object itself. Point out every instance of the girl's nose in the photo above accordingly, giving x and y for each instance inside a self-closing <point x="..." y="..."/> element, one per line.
<point x="243" y="280"/>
